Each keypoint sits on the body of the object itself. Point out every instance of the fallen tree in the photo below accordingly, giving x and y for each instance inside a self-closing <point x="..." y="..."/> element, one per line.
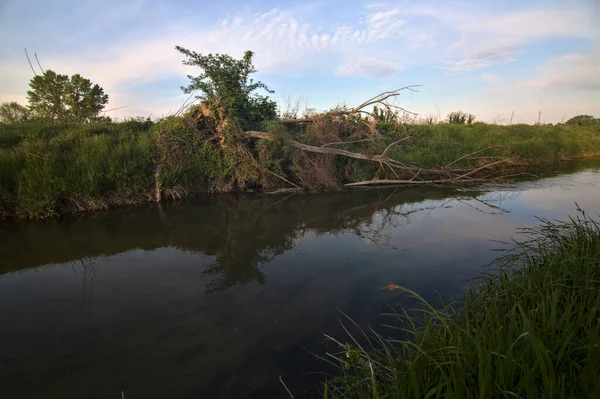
<point x="304" y="152"/>
<point x="418" y="175"/>
<point x="452" y="175"/>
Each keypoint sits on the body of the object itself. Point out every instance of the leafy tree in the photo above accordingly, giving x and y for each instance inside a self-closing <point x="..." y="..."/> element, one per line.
<point x="58" y="97"/>
<point x="583" y="120"/>
<point x="460" y="117"/>
<point x="13" y="112"/>
<point x="228" y="91"/>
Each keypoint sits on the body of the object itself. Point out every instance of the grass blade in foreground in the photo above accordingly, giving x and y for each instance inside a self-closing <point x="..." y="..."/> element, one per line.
<point x="531" y="331"/>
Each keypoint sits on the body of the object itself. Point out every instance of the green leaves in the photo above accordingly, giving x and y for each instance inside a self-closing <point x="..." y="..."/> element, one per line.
<point x="530" y="330"/>
<point x="60" y="98"/>
<point x="226" y="87"/>
<point x="13" y="112"/>
<point x="583" y="120"/>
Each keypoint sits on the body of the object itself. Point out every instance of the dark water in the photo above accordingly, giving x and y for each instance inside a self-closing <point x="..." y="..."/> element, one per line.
<point x="218" y="297"/>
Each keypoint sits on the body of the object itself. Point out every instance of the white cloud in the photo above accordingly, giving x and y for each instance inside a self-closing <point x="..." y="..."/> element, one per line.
<point x="288" y="42"/>
<point x="282" y="42"/>
<point x="480" y="60"/>
<point x="568" y="73"/>
<point x="368" y="67"/>
<point x="487" y="40"/>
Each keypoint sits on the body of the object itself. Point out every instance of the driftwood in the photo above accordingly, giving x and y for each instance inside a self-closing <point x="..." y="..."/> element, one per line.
<point x="450" y="176"/>
<point x="417" y="175"/>
<point x="377" y="182"/>
<point x="356" y="155"/>
<point x="381" y="99"/>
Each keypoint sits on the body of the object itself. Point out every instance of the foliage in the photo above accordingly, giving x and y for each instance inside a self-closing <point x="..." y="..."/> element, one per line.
<point x="13" y="112"/>
<point x="226" y="87"/>
<point x="58" y="97"/>
<point x="192" y="164"/>
<point x="531" y="330"/>
<point x="583" y="120"/>
<point x="384" y="114"/>
<point x="460" y="117"/>
<point x="52" y="168"/>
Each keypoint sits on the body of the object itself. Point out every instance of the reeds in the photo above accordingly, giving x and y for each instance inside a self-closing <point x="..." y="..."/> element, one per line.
<point x="530" y="330"/>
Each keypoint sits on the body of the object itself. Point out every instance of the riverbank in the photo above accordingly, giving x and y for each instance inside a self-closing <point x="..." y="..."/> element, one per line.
<point x="51" y="169"/>
<point x="530" y="330"/>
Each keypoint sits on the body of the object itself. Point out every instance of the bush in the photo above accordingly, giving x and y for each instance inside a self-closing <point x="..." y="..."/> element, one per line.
<point x="583" y="120"/>
<point x="460" y="117"/>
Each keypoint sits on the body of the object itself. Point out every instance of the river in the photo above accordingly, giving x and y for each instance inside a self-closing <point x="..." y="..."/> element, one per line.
<point x="220" y="296"/>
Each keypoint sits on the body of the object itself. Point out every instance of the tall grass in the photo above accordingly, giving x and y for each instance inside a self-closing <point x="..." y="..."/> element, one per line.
<point x="438" y="145"/>
<point x="530" y="331"/>
<point x="47" y="169"/>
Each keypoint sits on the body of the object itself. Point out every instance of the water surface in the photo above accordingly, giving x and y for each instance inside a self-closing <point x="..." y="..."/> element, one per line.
<point x="218" y="297"/>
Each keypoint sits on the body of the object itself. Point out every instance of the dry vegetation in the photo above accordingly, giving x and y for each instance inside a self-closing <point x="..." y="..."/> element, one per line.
<point x="229" y="138"/>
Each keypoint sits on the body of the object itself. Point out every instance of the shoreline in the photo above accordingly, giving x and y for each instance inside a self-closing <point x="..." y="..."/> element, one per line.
<point x="49" y="170"/>
<point x="79" y="206"/>
<point x="521" y="330"/>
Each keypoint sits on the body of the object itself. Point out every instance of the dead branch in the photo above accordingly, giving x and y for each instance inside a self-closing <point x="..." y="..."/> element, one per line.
<point x="484" y="167"/>
<point x="394" y="143"/>
<point x="379" y="182"/>
<point x="382" y="97"/>
<point x="281" y="177"/>
<point x="290" y="190"/>
<point x="347" y="142"/>
<point x="468" y="155"/>
<point x="373" y="158"/>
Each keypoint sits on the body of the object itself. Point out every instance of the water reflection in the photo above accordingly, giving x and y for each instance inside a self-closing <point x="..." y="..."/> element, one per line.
<point x="218" y="297"/>
<point x="240" y="232"/>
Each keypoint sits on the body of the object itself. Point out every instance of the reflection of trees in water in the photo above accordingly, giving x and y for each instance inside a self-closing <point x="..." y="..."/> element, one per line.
<point x="249" y="231"/>
<point x="89" y="280"/>
<point x="241" y="232"/>
<point x="489" y="202"/>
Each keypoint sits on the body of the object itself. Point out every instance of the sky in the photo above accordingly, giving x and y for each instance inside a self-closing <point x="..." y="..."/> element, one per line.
<point x="494" y="59"/>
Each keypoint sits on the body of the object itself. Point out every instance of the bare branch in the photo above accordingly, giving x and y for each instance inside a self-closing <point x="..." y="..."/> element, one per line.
<point x="468" y="155"/>
<point x="281" y="177"/>
<point x="380" y="182"/>
<point x="336" y="151"/>
<point x="394" y="143"/>
<point x="28" y="60"/>
<point x="38" y="62"/>
<point x="346" y="142"/>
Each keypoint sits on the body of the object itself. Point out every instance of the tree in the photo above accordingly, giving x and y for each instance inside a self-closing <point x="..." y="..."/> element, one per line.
<point x="460" y="117"/>
<point x="228" y="91"/>
<point x="58" y="97"/>
<point x="13" y="112"/>
<point x="583" y="120"/>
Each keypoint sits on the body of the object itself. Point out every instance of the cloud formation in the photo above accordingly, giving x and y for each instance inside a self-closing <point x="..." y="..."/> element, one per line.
<point x="369" y="67"/>
<point x="129" y="48"/>
<point x="570" y="72"/>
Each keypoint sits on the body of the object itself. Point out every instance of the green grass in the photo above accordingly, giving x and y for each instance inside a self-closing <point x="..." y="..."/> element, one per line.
<point x="50" y="169"/>
<point x="530" y="331"/>
<point x="47" y="169"/>
<point x="439" y="145"/>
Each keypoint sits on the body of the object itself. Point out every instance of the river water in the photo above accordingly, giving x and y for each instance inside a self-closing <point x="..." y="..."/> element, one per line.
<point x="220" y="296"/>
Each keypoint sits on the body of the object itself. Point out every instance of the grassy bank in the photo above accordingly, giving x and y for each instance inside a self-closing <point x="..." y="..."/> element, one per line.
<point x="532" y="331"/>
<point x="50" y="169"/>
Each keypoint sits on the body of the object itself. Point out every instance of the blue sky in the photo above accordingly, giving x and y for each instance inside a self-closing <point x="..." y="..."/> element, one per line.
<point x="489" y="58"/>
